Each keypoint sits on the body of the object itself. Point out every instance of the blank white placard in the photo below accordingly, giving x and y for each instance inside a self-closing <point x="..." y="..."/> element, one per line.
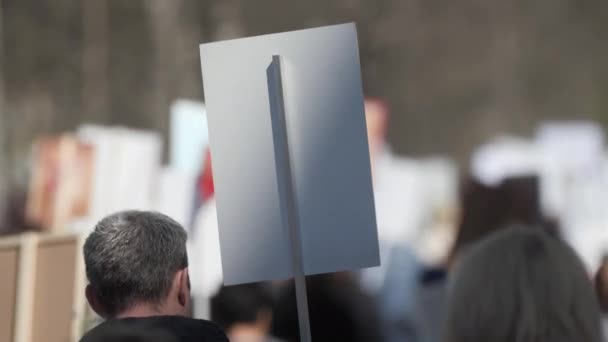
<point x="328" y="148"/>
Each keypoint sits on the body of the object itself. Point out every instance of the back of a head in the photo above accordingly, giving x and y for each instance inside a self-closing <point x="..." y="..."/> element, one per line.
<point x="131" y="258"/>
<point x="521" y="285"/>
<point x="481" y="214"/>
<point x="339" y="310"/>
<point x="240" y="304"/>
<point x="601" y="285"/>
<point x="487" y="209"/>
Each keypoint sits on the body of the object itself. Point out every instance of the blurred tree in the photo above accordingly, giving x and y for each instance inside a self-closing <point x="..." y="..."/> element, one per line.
<point x="455" y="73"/>
<point x="95" y="61"/>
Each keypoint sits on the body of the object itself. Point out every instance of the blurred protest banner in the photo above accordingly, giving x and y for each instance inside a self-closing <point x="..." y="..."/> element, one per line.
<point x="126" y="168"/>
<point x="575" y="184"/>
<point x="189" y="135"/>
<point x="42" y="292"/>
<point x="61" y="182"/>
<point x="79" y="178"/>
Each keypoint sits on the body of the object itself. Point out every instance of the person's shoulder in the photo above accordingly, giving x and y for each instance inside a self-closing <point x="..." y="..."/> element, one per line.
<point x="191" y="329"/>
<point x="119" y="331"/>
<point x="183" y="328"/>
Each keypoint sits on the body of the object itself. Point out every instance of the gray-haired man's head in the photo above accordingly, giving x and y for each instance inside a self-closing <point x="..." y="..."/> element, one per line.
<point x="136" y="263"/>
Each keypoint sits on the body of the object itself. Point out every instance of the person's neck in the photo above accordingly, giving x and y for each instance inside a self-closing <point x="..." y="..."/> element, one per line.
<point x="247" y="332"/>
<point x="146" y="310"/>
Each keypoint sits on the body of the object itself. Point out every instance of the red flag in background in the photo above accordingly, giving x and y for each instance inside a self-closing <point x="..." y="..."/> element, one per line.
<point x="205" y="184"/>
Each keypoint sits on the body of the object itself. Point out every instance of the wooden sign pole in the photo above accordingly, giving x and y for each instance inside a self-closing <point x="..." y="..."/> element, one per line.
<point x="286" y="188"/>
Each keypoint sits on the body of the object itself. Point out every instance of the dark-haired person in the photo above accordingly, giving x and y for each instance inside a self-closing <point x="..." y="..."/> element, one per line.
<point x="339" y="310"/>
<point x="244" y="312"/>
<point x="601" y="286"/>
<point x="486" y="209"/>
<point x="137" y="267"/>
<point x="521" y="285"/>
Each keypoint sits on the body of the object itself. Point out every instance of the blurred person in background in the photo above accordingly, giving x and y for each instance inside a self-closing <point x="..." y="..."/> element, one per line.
<point x="601" y="286"/>
<point x="137" y="267"/>
<point x="395" y="179"/>
<point x="339" y="311"/>
<point x="244" y="312"/>
<point x="397" y="196"/>
<point x="485" y="210"/>
<point x="518" y="285"/>
<point x="12" y="214"/>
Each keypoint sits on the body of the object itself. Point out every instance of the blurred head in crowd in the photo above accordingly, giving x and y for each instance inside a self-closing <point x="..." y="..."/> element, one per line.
<point x="136" y="263"/>
<point x="244" y="312"/>
<point x="519" y="285"/>
<point x="487" y="209"/>
<point x="376" y="117"/>
<point x="128" y="333"/>
<point x="339" y="310"/>
<point x="601" y="285"/>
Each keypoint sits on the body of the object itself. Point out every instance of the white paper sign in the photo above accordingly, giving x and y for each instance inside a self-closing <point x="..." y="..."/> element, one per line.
<point x="189" y="137"/>
<point x="328" y="153"/>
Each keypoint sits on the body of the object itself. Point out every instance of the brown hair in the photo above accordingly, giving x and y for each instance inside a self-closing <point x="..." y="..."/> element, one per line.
<point x="601" y="284"/>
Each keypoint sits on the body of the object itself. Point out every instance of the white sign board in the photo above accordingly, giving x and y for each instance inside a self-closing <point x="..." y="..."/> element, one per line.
<point x="189" y="137"/>
<point x="328" y="153"/>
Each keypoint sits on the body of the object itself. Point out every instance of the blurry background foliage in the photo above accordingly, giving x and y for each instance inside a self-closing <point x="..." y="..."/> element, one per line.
<point x="454" y="72"/>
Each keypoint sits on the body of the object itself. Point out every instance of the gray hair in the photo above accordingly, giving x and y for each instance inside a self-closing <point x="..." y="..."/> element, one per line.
<point x="132" y="256"/>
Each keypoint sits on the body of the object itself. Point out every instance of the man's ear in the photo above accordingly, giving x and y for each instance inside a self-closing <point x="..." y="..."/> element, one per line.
<point x="93" y="299"/>
<point x="183" y="293"/>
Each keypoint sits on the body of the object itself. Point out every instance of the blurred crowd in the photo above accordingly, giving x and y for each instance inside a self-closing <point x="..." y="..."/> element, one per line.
<point x="513" y="247"/>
